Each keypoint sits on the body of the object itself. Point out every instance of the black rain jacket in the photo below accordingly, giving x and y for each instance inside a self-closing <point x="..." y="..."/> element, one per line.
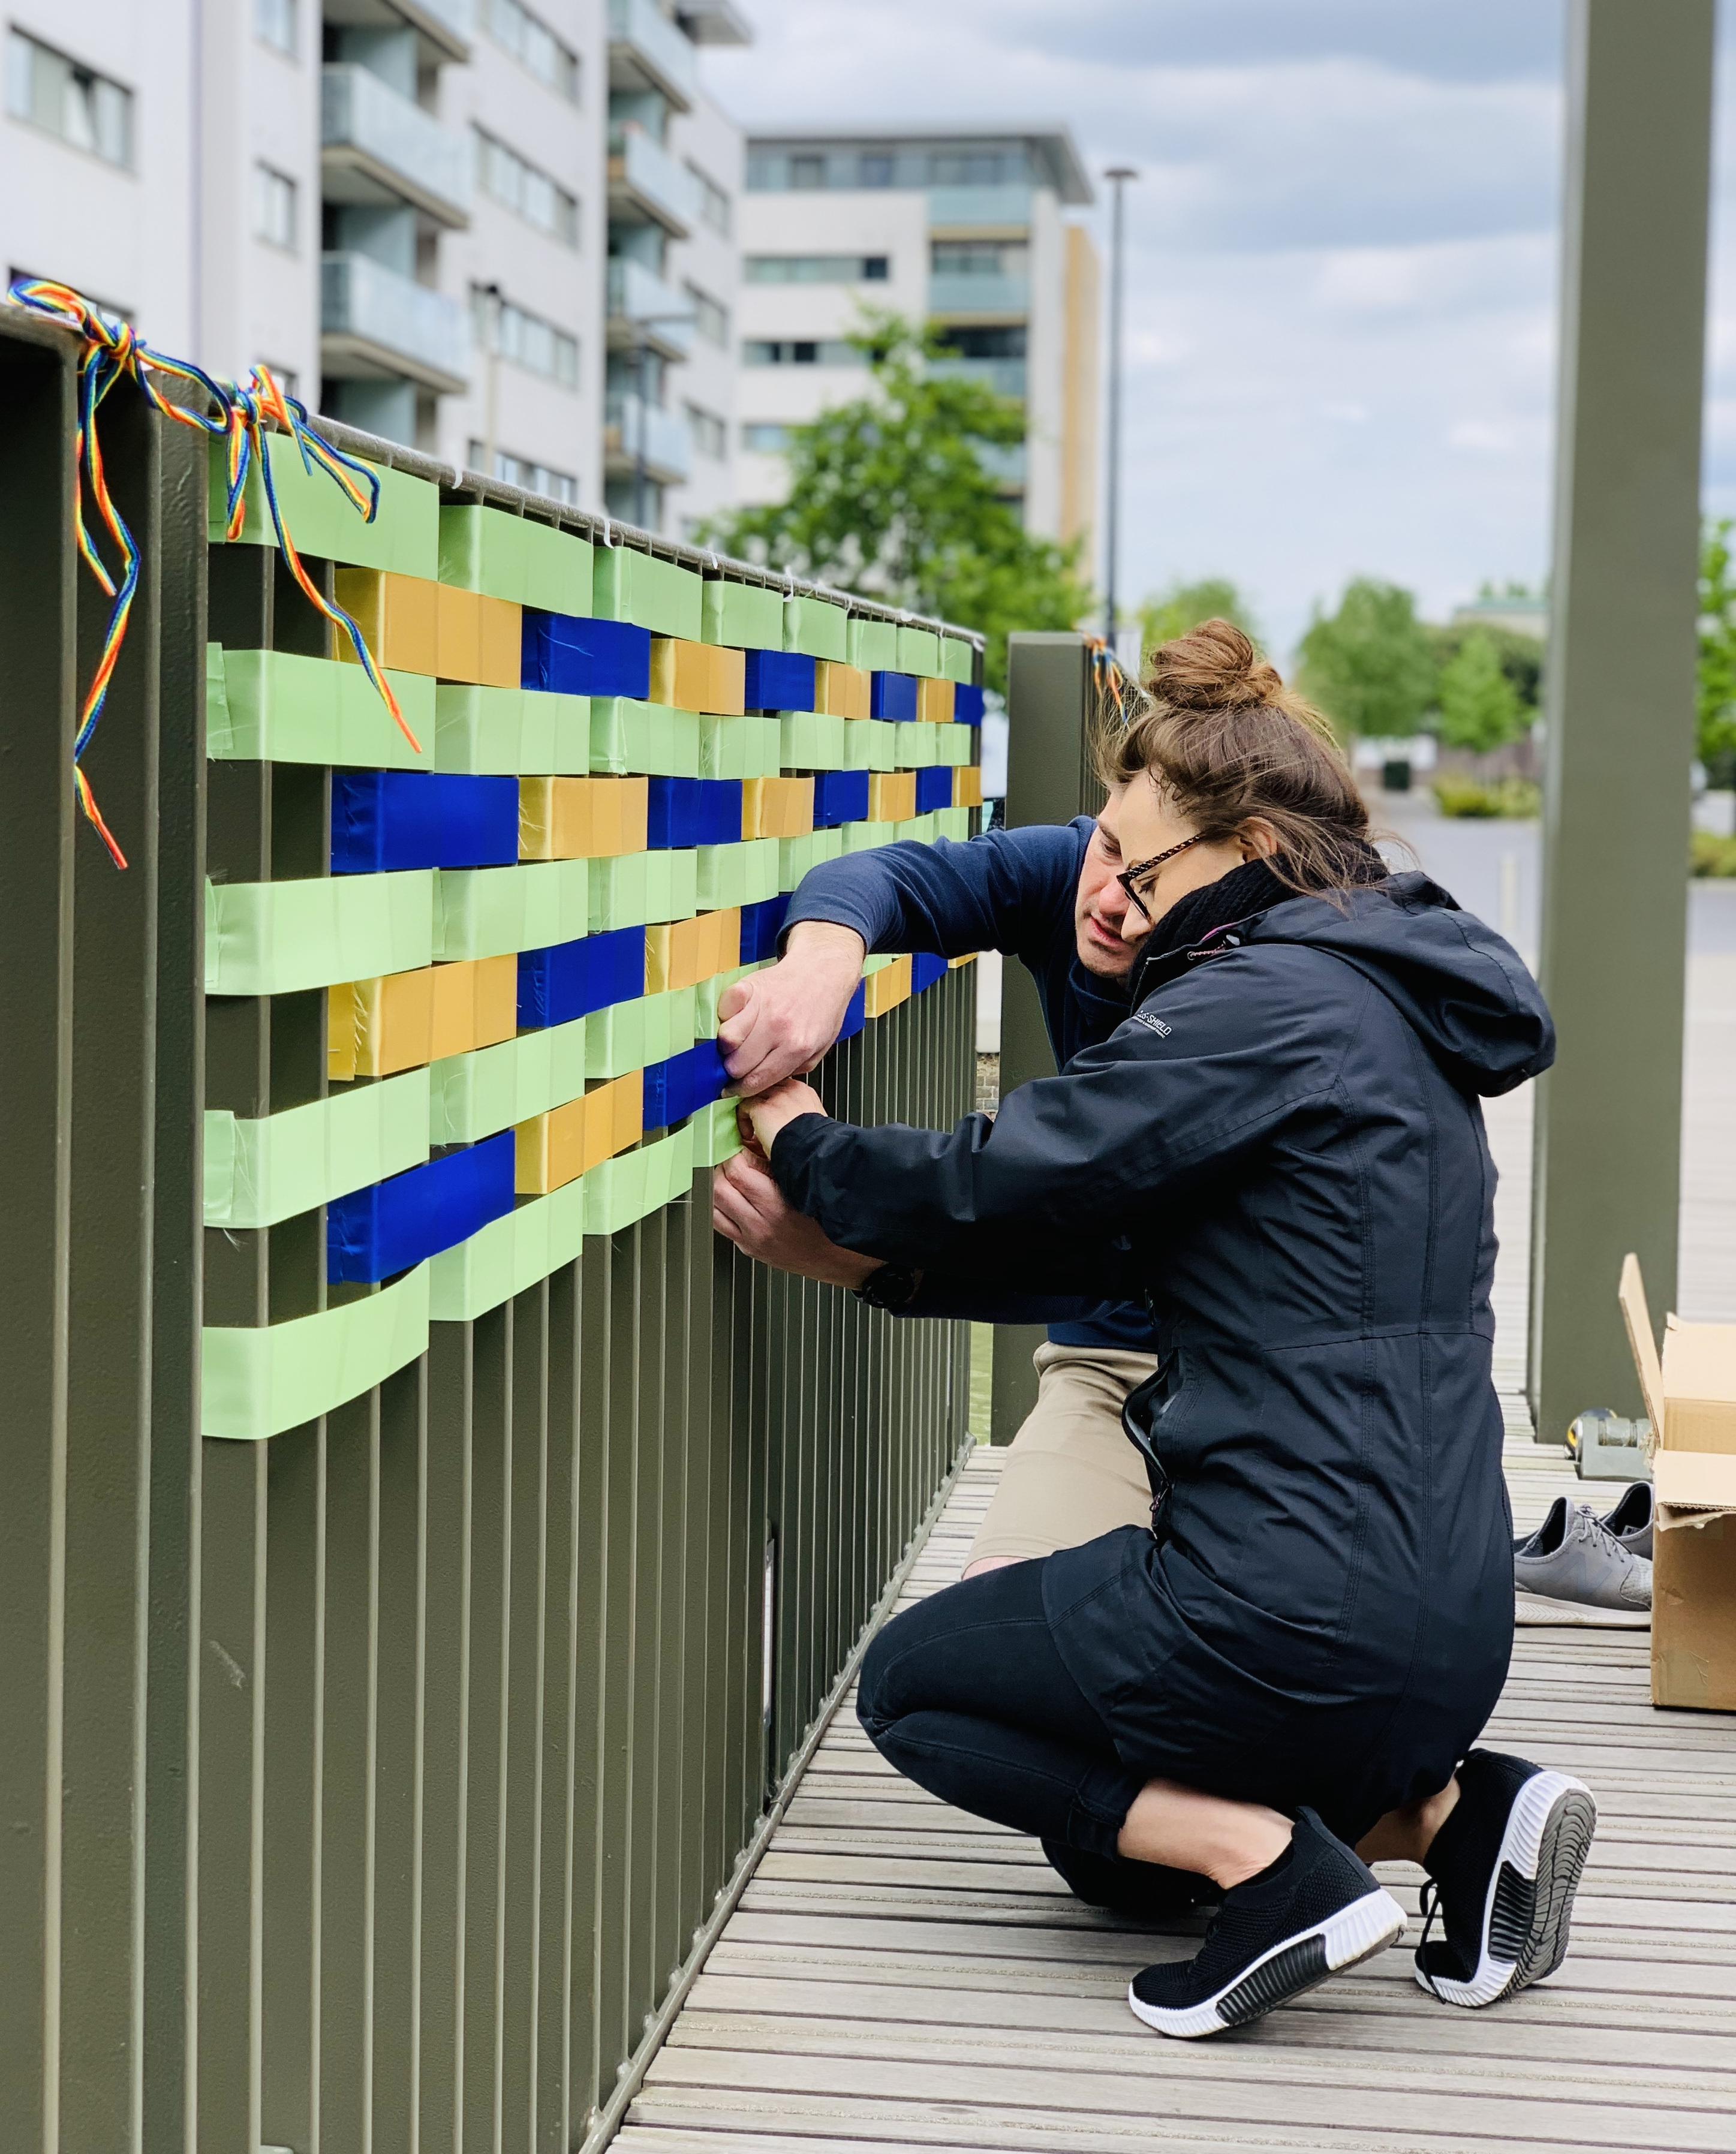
<point x="1284" y="1147"/>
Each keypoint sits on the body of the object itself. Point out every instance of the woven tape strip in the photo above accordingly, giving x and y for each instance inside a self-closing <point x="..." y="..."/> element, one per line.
<point x="259" y="1380"/>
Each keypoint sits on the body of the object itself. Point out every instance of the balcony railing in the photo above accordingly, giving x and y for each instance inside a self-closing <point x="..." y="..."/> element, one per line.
<point x="373" y="322"/>
<point x="629" y="421"/>
<point x="376" y="146"/>
<point x="647" y="186"/>
<point x="450" y="24"/>
<point x="643" y="308"/>
<point x="647" y="51"/>
<point x="954" y="292"/>
<point x="1007" y="208"/>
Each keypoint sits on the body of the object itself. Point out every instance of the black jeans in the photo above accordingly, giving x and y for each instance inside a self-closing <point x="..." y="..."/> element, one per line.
<point x="966" y="1695"/>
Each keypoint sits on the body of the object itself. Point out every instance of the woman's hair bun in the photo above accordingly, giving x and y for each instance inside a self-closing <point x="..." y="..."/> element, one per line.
<point x="1213" y="667"/>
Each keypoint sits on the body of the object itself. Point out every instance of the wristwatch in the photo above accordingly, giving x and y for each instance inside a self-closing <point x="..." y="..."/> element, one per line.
<point x="893" y="1286"/>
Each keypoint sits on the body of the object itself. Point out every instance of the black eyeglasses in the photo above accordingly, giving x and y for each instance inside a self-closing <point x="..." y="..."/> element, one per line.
<point x="1127" y="877"/>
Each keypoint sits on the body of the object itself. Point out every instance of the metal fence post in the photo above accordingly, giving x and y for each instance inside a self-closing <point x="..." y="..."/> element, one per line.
<point x="1621" y="689"/>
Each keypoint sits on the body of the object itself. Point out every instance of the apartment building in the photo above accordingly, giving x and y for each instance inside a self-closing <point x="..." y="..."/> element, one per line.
<point x="966" y="226"/>
<point x="501" y="230"/>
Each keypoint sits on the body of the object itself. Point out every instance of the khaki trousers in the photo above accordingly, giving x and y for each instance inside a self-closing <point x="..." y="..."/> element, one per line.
<point x="1070" y="1473"/>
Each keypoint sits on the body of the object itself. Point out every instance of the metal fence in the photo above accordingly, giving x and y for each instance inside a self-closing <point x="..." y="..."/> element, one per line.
<point x="371" y="1786"/>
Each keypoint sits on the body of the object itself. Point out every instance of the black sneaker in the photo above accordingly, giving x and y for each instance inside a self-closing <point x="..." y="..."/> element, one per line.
<point x="1315" y="1910"/>
<point x="1144" y="1891"/>
<point x="1503" y="1871"/>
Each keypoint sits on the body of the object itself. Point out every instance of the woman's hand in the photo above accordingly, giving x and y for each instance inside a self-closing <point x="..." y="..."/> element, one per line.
<point x="747" y="1209"/>
<point x="762" y="1118"/>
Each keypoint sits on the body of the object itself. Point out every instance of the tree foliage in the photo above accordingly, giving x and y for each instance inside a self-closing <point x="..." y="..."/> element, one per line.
<point x="1480" y="709"/>
<point x="1168" y="613"/>
<point x="889" y="496"/>
<point x="1715" y="684"/>
<point x="1521" y="656"/>
<point x="1371" y="666"/>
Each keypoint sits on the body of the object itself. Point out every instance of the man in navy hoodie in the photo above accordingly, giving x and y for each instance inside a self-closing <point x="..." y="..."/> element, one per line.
<point x="1046" y="895"/>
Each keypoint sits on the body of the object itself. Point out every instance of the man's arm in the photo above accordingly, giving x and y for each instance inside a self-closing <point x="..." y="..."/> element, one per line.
<point x="1007" y="890"/>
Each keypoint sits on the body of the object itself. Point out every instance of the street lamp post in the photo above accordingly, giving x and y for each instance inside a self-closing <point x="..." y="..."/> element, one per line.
<point x="1117" y="175"/>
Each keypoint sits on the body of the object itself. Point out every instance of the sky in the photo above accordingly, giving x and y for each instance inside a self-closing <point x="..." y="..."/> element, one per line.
<point x="1341" y="264"/>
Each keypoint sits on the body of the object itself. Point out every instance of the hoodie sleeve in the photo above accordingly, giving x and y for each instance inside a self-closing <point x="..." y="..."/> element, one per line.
<point x="1198" y="1080"/>
<point x="1004" y="891"/>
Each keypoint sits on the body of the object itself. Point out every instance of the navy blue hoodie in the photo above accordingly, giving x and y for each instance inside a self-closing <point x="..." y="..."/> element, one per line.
<point x="1284" y="1147"/>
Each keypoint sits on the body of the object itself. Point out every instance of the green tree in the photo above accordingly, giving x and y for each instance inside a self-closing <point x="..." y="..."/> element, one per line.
<point x="1715" y="686"/>
<point x="1371" y="666"/>
<point x="1167" y="615"/>
<point x="1480" y="708"/>
<point x="1521" y="657"/>
<point x="889" y="496"/>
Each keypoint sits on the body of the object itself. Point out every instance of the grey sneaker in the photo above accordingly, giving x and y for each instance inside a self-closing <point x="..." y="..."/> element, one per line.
<point x="1573" y="1556"/>
<point x="1631" y="1521"/>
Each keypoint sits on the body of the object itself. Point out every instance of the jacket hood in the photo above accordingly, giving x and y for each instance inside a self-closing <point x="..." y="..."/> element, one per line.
<point x="1460" y="988"/>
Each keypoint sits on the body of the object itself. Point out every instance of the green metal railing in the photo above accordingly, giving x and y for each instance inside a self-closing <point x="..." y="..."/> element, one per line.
<point x="373" y="1785"/>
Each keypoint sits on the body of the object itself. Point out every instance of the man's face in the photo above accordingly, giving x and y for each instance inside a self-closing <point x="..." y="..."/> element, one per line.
<point x="1100" y="905"/>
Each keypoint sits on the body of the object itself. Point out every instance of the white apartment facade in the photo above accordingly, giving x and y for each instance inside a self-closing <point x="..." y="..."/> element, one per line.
<point x="965" y="226"/>
<point x="405" y="208"/>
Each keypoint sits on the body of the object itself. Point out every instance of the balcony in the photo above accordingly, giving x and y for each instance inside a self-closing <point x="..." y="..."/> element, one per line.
<point x="963" y="295"/>
<point x="646" y="186"/>
<point x="377" y="325"/>
<point x="445" y="27"/>
<point x="979" y="209"/>
<point x="647" y="51"/>
<point x="1005" y="377"/>
<point x="663" y="316"/>
<point x="377" y="148"/>
<point x="668" y="447"/>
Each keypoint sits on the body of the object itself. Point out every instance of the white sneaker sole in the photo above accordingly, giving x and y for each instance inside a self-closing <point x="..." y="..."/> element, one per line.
<point x="1528" y="1910"/>
<point x="1295" y="1964"/>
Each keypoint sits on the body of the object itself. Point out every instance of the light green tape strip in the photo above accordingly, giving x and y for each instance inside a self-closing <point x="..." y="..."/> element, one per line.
<point x="815" y="627"/>
<point x="632" y="1035"/>
<point x="471" y="1096"/>
<point x="918" y="650"/>
<point x="486" y="912"/>
<point x="864" y="837"/>
<point x="952" y="745"/>
<point x="717" y="1134"/>
<point x="648" y="739"/>
<point x="744" y="614"/>
<point x="658" y="595"/>
<point x="919" y="829"/>
<point x="811" y="741"/>
<point x="958" y="659"/>
<point x="637" y="1183"/>
<point x="877" y="963"/>
<point x="915" y="748"/>
<point x="706" y="995"/>
<point x="404" y="536"/>
<point x="276" y="938"/>
<point x="258" y="1381"/>
<point x="873" y="644"/>
<point x="871" y="744"/>
<point x="259" y="1171"/>
<point x="279" y="707"/>
<point x="746" y="874"/>
<point x="952" y="823"/>
<point x="516" y="558"/>
<point x="638" y="889"/>
<point x="508" y="730"/>
<point x="739" y="748"/>
<point x="797" y="855"/>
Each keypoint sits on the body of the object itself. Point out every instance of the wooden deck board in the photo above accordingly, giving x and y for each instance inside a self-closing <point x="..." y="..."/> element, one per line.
<point x="899" y="1975"/>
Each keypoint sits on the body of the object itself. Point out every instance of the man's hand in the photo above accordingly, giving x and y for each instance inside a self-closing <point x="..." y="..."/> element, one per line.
<point x="748" y="1208"/>
<point x="762" y="1116"/>
<point x="778" y="1024"/>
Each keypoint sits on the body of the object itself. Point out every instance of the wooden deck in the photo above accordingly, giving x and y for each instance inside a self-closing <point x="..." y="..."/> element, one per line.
<point x="900" y="1975"/>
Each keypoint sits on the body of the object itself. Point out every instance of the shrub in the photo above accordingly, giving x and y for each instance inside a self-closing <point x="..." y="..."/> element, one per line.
<point x="1516" y="800"/>
<point x="1710" y="856"/>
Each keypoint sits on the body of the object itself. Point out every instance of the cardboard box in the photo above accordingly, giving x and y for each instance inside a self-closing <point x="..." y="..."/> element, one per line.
<point x="1690" y="1394"/>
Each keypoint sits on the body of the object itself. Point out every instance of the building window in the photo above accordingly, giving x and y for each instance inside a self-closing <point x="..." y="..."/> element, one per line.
<point x="274" y="207"/>
<point x="286" y="377"/>
<point x="711" y="319"/>
<point x="807" y="172"/>
<point x="274" y="24"/>
<point x="765" y="439"/>
<point x="875" y="169"/>
<point x="822" y="351"/>
<point x="975" y="168"/>
<point x="59" y="95"/>
<point x="994" y="341"/>
<point x="817" y="269"/>
<point x="713" y="201"/>
<point x="504" y="174"/>
<point x="711" y="437"/>
<point x="534" y="46"/>
<point x="520" y="471"/>
<point x="525" y="339"/>
<point x="980" y="257"/>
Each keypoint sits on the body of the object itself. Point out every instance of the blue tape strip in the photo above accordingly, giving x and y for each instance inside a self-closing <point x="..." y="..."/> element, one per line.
<point x="570" y="657"/>
<point x="892" y="696"/>
<point x="385" y="820"/>
<point x="779" y="681"/>
<point x="694" y="811"/>
<point x="571" y="979"/>
<point x="683" y="1085"/>
<point x="840" y="796"/>
<point x="934" y="788"/>
<point x="856" y="1015"/>
<point x="925" y="969"/>
<point x="761" y="925"/>
<point x="375" y="1232"/>
<point x="967" y="705"/>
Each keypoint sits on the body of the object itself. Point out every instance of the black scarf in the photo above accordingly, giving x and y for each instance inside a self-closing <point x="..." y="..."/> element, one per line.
<point x="1247" y="890"/>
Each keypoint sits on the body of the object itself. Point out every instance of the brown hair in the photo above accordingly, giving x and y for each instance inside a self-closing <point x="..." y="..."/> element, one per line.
<point x="1225" y="740"/>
